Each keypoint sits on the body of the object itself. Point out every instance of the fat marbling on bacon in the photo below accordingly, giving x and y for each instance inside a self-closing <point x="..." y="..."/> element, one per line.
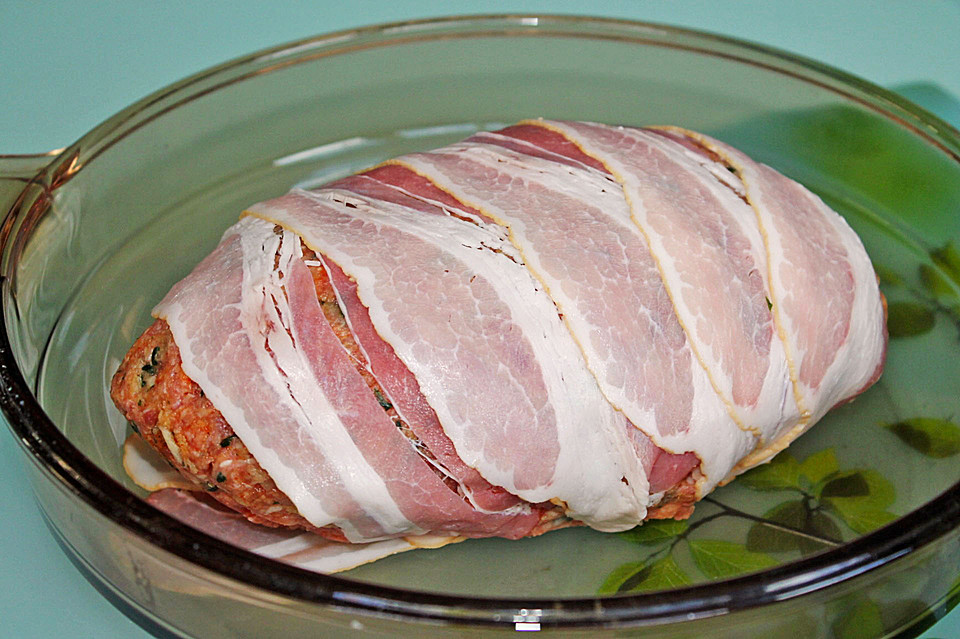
<point x="553" y="324"/>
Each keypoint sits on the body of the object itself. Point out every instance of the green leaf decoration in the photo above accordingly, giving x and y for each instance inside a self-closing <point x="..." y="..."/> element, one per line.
<point x="887" y="275"/>
<point x="821" y="525"/>
<point x="636" y="577"/>
<point x="620" y="574"/>
<point x="908" y="319"/>
<point x="865" y="484"/>
<point x="851" y="484"/>
<point x="655" y="531"/>
<point x="947" y="258"/>
<point x="781" y="473"/>
<point x="763" y="538"/>
<point x="860" y="498"/>
<point x="859" y="518"/>
<point x="665" y="574"/>
<point x="863" y="621"/>
<point x="792" y="514"/>
<point x="933" y="437"/>
<point x="936" y="283"/>
<point x="882" y="492"/>
<point x="818" y="466"/>
<point x="718" y="559"/>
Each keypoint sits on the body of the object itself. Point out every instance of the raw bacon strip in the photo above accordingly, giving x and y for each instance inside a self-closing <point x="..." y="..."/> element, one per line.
<point x="713" y="263"/>
<point x="425" y="502"/>
<point x="456" y="307"/>
<point x="203" y="513"/>
<point x="208" y="313"/>
<point x="394" y="183"/>
<point x="574" y="231"/>
<point x="401" y="387"/>
<point x="837" y="346"/>
<point x="390" y="184"/>
<point x="295" y="331"/>
<point x="539" y="142"/>
<point x="304" y="550"/>
<point x="332" y="413"/>
<point x="664" y="470"/>
<point x="705" y="158"/>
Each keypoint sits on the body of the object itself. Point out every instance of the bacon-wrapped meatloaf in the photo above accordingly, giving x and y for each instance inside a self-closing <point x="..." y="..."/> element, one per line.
<point x="553" y="324"/>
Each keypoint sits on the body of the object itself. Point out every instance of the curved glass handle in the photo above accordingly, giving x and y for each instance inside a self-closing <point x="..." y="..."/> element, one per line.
<point x="17" y="172"/>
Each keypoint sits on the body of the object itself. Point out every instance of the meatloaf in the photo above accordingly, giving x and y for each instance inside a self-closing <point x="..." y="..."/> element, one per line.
<point x="553" y="324"/>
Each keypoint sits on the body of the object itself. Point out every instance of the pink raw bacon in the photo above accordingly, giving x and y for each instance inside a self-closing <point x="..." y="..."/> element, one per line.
<point x="837" y="348"/>
<point x="305" y="366"/>
<point x="205" y="312"/>
<point x="581" y="243"/>
<point x="301" y="549"/>
<point x="419" y="493"/>
<point x="402" y="390"/>
<point x="493" y="324"/>
<point x="712" y="260"/>
<point x="394" y="183"/>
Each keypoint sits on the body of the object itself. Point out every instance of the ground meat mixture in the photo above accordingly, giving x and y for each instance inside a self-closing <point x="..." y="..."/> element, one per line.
<point x="172" y="414"/>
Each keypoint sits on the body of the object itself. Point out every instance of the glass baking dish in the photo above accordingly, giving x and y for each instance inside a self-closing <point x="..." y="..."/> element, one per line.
<point x="94" y="234"/>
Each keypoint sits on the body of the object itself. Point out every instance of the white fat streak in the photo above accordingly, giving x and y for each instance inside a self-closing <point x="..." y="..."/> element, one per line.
<point x="316" y="554"/>
<point x="148" y="469"/>
<point x="449" y="210"/>
<point x="561" y="159"/>
<point x="340" y="557"/>
<point x="464" y="490"/>
<point x="713" y="436"/>
<point x="337" y="557"/>
<point x="858" y="357"/>
<point x="260" y="246"/>
<point x="173" y="312"/>
<point x="594" y="451"/>
<point x="317" y="418"/>
<point x="716" y="169"/>
<point x="716" y="439"/>
<point x="665" y="263"/>
<point x="294" y="544"/>
<point x="771" y="415"/>
<point x="258" y="257"/>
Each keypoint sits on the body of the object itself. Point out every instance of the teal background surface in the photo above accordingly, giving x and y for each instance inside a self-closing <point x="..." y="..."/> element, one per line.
<point x="66" y="66"/>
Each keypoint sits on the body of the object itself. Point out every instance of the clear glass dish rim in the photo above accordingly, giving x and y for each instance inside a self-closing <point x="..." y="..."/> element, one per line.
<point x="60" y="461"/>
